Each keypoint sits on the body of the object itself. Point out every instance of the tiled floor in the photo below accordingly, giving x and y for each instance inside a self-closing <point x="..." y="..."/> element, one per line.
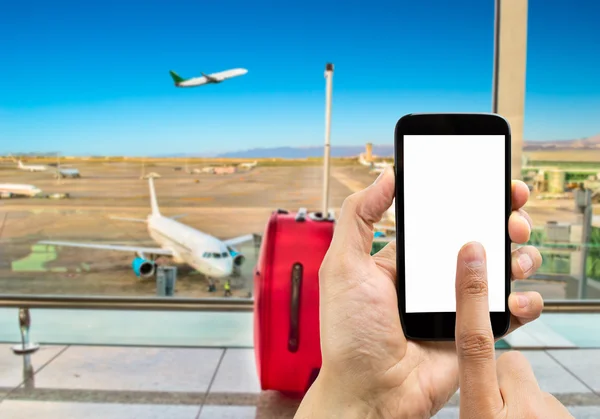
<point x="128" y="382"/>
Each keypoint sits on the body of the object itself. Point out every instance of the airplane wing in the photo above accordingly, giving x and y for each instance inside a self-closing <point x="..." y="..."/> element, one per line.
<point x="210" y="77"/>
<point x="238" y="240"/>
<point x="119" y="248"/>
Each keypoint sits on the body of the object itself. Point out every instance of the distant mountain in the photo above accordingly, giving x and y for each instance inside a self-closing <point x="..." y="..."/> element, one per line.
<point x="306" y="152"/>
<point x="588" y="143"/>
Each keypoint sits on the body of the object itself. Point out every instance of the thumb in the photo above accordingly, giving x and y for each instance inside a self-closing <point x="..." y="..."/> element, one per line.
<point x="354" y="229"/>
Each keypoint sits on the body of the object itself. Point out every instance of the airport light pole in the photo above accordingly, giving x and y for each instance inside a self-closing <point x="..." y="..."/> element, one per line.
<point x="58" y="168"/>
<point x="327" y="155"/>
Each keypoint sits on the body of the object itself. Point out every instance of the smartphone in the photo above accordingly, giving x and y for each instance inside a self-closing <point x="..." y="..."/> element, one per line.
<point x="453" y="186"/>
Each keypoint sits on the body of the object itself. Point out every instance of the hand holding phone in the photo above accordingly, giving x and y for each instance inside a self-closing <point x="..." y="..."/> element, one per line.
<point x="367" y="361"/>
<point x="505" y="387"/>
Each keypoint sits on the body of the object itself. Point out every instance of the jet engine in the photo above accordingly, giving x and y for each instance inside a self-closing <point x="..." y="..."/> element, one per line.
<point x="238" y="258"/>
<point x="142" y="267"/>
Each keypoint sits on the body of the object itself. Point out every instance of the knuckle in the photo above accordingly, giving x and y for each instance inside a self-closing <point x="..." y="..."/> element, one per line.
<point x="475" y="283"/>
<point x="476" y="345"/>
<point x="351" y="201"/>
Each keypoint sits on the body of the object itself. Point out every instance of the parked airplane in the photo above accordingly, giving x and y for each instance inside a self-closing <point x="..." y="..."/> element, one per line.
<point x="208" y="255"/>
<point x="249" y="165"/>
<point x="74" y="173"/>
<point x="59" y="171"/>
<point x="8" y="190"/>
<point x="31" y="168"/>
<point x="207" y="78"/>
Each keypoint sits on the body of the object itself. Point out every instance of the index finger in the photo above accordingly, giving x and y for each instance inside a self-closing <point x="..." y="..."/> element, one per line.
<point x="474" y="337"/>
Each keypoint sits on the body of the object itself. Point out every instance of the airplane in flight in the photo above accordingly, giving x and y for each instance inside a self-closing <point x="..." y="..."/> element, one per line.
<point x="207" y="78"/>
<point x="183" y="244"/>
<point x="31" y="168"/>
<point x="8" y="190"/>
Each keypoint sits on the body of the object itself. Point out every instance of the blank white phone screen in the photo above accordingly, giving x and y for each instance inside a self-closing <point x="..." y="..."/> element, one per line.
<point x="454" y="193"/>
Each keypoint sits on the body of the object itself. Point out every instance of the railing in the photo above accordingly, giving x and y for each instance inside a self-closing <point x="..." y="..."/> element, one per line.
<point x="572" y="306"/>
<point x="128" y="303"/>
<point x="208" y="304"/>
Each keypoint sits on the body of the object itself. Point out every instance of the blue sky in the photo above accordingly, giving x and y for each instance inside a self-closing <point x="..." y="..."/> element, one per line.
<point x="92" y="77"/>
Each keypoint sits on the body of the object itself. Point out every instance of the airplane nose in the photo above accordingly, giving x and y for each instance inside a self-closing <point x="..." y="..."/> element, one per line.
<point x="221" y="270"/>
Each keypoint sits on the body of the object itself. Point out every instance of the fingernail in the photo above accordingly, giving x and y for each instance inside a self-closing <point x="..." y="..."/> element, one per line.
<point x="525" y="262"/>
<point x="528" y="223"/>
<point x="522" y="301"/>
<point x="473" y="254"/>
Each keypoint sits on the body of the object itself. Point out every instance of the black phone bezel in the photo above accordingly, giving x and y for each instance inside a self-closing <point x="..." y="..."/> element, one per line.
<point x="441" y="326"/>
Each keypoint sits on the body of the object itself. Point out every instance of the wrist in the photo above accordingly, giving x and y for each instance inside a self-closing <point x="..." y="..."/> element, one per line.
<point x="328" y="398"/>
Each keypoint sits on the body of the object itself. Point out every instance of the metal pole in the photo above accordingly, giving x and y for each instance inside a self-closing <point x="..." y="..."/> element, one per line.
<point x="26" y="346"/>
<point x="58" y="168"/>
<point x="327" y="156"/>
<point x="586" y="231"/>
<point x="496" y="56"/>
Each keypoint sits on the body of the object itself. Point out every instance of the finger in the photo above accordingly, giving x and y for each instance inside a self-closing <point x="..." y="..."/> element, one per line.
<point x="520" y="194"/>
<point x="517" y="382"/>
<point x="525" y="261"/>
<point x="353" y="234"/>
<point x="519" y="228"/>
<point x="524" y="307"/>
<point x="526" y="215"/>
<point x="474" y="337"/>
<point x="386" y="260"/>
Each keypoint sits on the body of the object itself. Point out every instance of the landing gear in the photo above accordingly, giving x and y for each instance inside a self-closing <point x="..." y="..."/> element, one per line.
<point x="212" y="287"/>
<point x="237" y="271"/>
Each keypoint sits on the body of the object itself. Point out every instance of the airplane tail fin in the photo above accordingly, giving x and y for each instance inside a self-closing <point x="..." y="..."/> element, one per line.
<point x="176" y="77"/>
<point x="153" y="201"/>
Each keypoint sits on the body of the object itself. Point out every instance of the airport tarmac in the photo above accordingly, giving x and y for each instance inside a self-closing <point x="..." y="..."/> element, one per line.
<point x="222" y="205"/>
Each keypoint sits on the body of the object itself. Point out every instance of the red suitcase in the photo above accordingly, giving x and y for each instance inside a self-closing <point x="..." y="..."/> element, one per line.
<point x="286" y="293"/>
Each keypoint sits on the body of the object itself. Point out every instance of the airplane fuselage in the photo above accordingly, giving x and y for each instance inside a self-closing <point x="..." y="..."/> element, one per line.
<point x="212" y="78"/>
<point x="203" y="252"/>
<point x="33" y="168"/>
<point x="19" y="190"/>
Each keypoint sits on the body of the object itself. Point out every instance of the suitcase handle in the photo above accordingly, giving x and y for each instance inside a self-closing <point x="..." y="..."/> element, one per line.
<point x="295" y="307"/>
